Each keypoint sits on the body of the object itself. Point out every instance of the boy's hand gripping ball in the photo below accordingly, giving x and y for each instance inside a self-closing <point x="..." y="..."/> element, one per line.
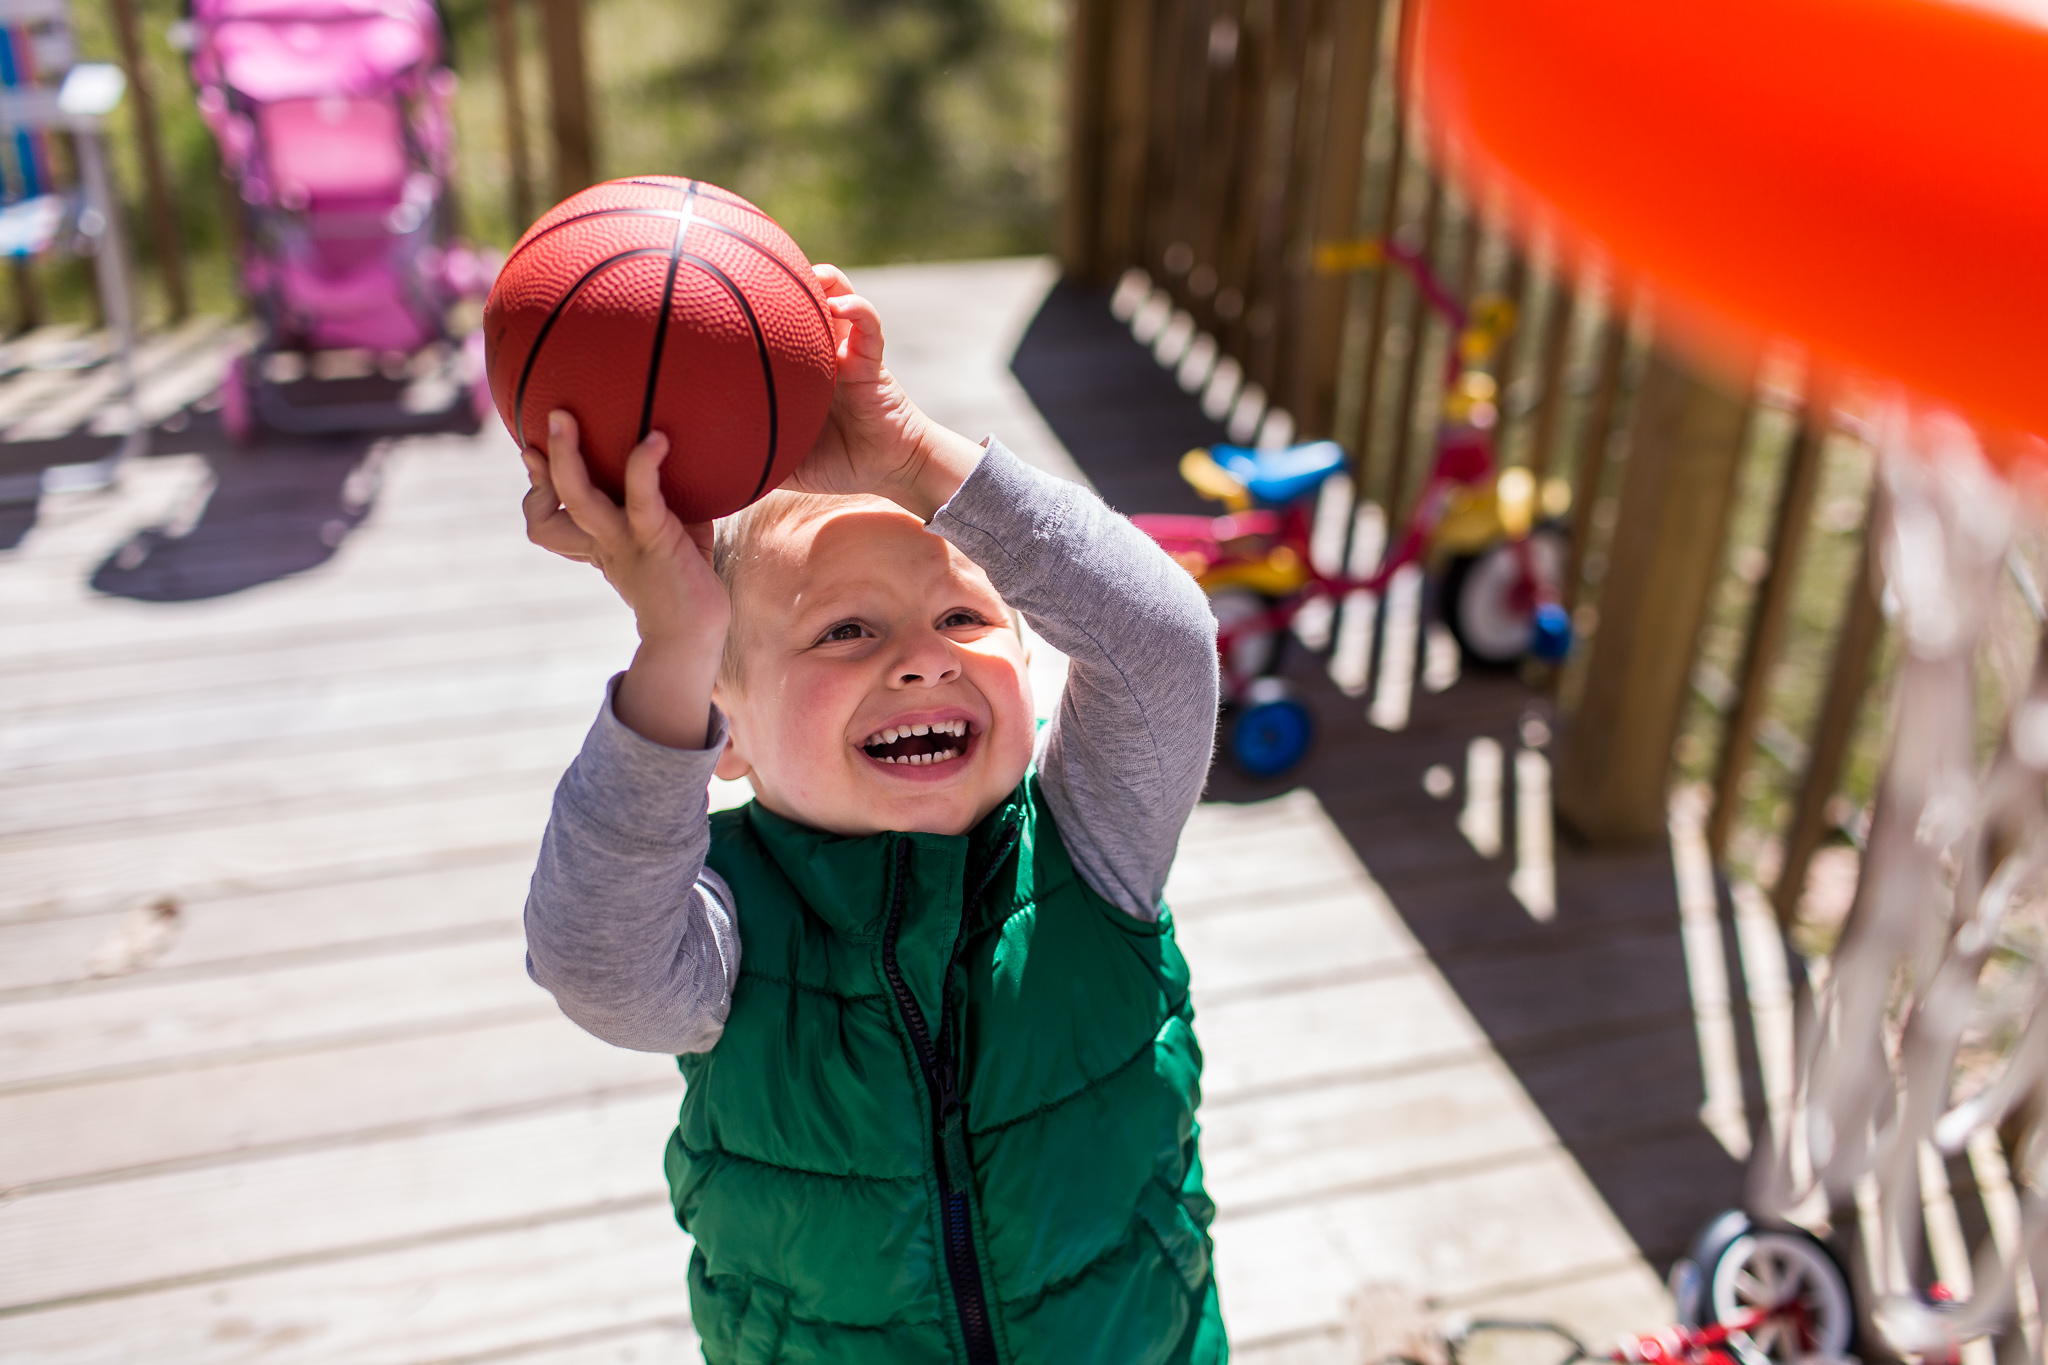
<point x="658" y="303"/>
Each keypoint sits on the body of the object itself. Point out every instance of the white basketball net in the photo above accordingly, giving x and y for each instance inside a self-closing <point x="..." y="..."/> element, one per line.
<point x="1929" y="1026"/>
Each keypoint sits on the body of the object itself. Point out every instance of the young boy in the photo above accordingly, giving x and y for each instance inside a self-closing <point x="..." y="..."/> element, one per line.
<point x="941" y="1072"/>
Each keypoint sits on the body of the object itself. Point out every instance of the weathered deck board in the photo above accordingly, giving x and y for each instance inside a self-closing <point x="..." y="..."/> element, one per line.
<point x="358" y="767"/>
<point x="162" y="1227"/>
<point x="233" y="932"/>
<point x="62" y="690"/>
<point x="94" y="1033"/>
<point x="465" y="1297"/>
<point x="320" y="1094"/>
<point x="99" y="872"/>
<point x="326" y="1118"/>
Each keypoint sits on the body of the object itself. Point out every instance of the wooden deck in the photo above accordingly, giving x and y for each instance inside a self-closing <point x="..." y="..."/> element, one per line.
<point x="279" y="735"/>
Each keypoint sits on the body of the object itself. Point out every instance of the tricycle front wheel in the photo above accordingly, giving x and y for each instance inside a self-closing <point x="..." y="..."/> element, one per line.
<point x="1272" y="730"/>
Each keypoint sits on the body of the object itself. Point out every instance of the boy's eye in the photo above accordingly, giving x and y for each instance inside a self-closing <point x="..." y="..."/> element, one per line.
<point x="963" y="619"/>
<point x="845" y="630"/>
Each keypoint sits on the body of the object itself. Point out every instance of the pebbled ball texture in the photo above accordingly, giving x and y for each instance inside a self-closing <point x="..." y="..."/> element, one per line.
<point x="658" y="303"/>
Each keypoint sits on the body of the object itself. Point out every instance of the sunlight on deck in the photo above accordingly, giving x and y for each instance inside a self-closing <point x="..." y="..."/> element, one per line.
<point x="273" y="1082"/>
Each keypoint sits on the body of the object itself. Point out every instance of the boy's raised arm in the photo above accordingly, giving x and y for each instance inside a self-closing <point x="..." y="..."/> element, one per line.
<point x="624" y="926"/>
<point x="1127" y="753"/>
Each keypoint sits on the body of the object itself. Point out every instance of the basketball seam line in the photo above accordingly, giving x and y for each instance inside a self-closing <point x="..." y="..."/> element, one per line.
<point x="731" y="232"/>
<point x="540" y="338"/>
<point x="704" y="190"/>
<point x="767" y="365"/>
<point x="668" y="296"/>
<point x="525" y="242"/>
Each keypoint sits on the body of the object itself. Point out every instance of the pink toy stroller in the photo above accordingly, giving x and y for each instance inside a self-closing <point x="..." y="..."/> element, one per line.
<point x="332" y="115"/>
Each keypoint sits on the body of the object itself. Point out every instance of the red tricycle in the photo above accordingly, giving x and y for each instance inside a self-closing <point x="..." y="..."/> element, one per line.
<point x="1747" y="1293"/>
<point x="1491" y="536"/>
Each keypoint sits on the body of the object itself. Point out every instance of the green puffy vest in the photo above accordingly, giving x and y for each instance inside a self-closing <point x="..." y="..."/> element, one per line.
<point x="951" y="1118"/>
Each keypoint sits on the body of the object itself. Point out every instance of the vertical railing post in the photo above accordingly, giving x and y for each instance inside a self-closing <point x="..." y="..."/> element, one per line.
<point x="1591" y="469"/>
<point x="1354" y="65"/>
<point x="1238" y="250"/>
<point x="1127" y="118"/>
<point x="1211" y="193"/>
<point x="165" y="243"/>
<point x="1515" y="289"/>
<point x="1835" y="728"/>
<point x="1550" y="398"/>
<point x="1376" y="312"/>
<point x="1419" y="315"/>
<point x="569" y="96"/>
<point x="1180" y="242"/>
<point x="1677" y="490"/>
<point x="1166" y="158"/>
<point x="1081" y="209"/>
<point x="1283" y="185"/>
<point x="1767" y="618"/>
<point x="505" y="35"/>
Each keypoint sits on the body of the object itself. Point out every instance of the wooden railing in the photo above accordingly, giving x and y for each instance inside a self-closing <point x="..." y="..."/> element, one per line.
<point x="1232" y="166"/>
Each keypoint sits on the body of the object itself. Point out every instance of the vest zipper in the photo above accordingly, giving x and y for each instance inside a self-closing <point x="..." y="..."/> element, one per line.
<point x="963" y="1267"/>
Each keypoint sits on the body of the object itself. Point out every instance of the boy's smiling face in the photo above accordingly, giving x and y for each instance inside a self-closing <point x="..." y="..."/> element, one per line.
<point x="880" y="684"/>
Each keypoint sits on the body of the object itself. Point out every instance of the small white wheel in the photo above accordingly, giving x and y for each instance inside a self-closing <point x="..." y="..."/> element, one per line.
<point x="1785" y="1269"/>
<point x="1488" y="605"/>
<point x="1251" y="653"/>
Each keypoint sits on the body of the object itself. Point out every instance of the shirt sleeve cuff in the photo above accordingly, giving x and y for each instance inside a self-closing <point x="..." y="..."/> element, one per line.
<point x="640" y="790"/>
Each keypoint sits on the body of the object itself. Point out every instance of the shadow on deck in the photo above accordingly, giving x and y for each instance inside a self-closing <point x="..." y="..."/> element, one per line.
<point x="1592" y="1011"/>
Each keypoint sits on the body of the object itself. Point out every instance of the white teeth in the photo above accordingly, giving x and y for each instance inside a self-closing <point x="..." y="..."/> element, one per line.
<point x="922" y="760"/>
<point x="955" y="728"/>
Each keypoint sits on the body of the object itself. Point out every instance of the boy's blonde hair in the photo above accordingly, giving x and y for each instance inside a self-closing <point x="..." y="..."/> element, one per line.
<point x="737" y="541"/>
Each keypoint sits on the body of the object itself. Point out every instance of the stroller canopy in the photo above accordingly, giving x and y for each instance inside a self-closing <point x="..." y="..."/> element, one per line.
<point x="270" y="50"/>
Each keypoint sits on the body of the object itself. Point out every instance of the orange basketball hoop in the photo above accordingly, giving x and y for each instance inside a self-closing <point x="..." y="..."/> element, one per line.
<point x="1868" y="177"/>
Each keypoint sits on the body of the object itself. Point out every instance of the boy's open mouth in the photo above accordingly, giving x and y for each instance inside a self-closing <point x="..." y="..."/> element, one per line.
<point x="918" y="745"/>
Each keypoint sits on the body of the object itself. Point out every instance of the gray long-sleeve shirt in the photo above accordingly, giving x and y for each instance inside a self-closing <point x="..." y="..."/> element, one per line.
<point x="639" y="942"/>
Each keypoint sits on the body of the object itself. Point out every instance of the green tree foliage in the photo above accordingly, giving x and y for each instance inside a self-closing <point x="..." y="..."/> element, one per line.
<point x="873" y="130"/>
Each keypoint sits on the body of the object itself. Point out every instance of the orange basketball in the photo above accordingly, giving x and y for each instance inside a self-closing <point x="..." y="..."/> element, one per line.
<point x="663" y="304"/>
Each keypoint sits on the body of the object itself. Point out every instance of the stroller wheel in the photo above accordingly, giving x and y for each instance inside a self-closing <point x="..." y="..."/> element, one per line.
<point x="238" y="403"/>
<point x="1738" y="1267"/>
<point x="1272" y="731"/>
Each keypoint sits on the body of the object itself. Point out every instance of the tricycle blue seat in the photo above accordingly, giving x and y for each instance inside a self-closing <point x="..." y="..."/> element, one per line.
<point x="1281" y="476"/>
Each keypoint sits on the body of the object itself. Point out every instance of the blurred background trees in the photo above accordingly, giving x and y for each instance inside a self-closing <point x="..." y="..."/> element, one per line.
<point x="874" y="130"/>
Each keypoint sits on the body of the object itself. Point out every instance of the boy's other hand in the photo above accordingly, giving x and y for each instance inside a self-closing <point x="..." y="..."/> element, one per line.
<point x="875" y="439"/>
<point x="661" y="568"/>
